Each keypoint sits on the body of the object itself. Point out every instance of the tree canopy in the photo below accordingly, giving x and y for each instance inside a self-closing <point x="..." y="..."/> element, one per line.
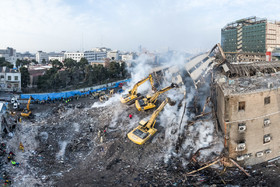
<point x="25" y="78"/>
<point x="73" y="74"/>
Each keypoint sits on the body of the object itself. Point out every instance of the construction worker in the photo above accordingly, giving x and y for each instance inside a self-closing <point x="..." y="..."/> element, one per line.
<point x="10" y="156"/>
<point x="21" y="147"/>
<point x="14" y="163"/>
<point x="130" y="116"/>
<point x="7" y="182"/>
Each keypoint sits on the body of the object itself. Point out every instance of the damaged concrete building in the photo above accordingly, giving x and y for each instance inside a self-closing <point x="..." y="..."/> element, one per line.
<point x="247" y="108"/>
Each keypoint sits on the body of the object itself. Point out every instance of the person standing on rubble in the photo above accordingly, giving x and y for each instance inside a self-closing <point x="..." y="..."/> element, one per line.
<point x="10" y="156"/>
<point x="13" y="163"/>
<point x="130" y="116"/>
<point x="21" y="147"/>
<point x="7" y="182"/>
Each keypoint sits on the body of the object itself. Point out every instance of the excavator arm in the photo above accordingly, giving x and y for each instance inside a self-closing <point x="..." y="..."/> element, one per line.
<point x="133" y="91"/>
<point x="151" y="123"/>
<point x="149" y="102"/>
<point x="132" y="94"/>
<point x="155" y="96"/>
<point x="27" y="106"/>
<point x="27" y="112"/>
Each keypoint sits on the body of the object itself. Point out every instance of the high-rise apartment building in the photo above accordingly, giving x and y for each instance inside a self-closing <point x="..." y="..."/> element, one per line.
<point x="251" y="35"/>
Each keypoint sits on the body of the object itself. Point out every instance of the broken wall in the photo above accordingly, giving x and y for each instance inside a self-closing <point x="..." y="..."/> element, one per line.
<point x="250" y="120"/>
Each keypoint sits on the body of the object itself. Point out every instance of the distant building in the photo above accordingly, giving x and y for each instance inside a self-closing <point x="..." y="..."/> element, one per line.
<point x="113" y="55"/>
<point x="10" y="79"/>
<point x="26" y="56"/>
<point x="59" y="58"/>
<point x="128" y="57"/>
<point x="96" y="55"/>
<point x="9" y="54"/>
<point x="250" y="38"/>
<point x="74" y="55"/>
<point x="40" y="56"/>
<point x="35" y="72"/>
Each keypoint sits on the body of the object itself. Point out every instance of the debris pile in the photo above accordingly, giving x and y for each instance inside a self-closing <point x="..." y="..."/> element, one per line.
<point x="84" y="143"/>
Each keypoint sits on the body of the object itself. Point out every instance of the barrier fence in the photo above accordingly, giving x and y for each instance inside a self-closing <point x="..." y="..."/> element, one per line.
<point x="67" y="94"/>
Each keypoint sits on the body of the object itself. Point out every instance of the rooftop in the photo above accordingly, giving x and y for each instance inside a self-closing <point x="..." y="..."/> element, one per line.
<point x="249" y="77"/>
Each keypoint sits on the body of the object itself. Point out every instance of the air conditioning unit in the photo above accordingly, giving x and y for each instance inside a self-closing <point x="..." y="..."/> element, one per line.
<point x="240" y="158"/>
<point x="241" y="147"/>
<point x="267" y="139"/>
<point x="241" y="128"/>
<point x="247" y="155"/>
<point x="268" y="151"/>
<point x="259" y="154"/>
<point x="266" y="122"/>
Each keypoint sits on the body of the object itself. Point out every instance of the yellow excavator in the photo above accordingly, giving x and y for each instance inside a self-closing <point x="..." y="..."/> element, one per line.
<point x="149" y="102"/>
<point x="107" y="96"/>
<point x="146" y="129"/>
<point x="27" y="112"/>
<point x="132" y="94"/>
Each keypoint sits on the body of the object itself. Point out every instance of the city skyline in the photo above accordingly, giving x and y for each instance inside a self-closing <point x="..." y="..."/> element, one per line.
<point x="56" y="25"/>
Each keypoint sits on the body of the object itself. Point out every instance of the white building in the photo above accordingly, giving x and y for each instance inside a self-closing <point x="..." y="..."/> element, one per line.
<point x="40" y="55"/>
<point x="128" y="57"/>
<point x="59" y="58"/>
<point x="9" y="54"/>
<point x="95" y="55"/>
<point x="113" y="55"/>
<point x="10" y="79"/>
<point x="74" y="55"/>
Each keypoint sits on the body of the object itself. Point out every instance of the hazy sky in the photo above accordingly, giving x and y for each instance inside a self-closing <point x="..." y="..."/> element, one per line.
<point x="71" y="25"/>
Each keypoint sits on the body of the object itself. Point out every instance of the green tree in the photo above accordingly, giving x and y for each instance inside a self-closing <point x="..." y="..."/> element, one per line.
<point x="25" y="77"/>
<point x="83" y="62"/>
<point x="69" y="63"/>
<point x="44" y="61"/>
<point x="34" y="61"/>
<point x="114" y="69"/>
<point x="56" y="64"/>
<point x="123" y="70"/>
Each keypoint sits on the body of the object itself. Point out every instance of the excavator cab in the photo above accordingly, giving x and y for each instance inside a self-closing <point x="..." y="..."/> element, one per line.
<point x="141" y="134"/>
<point x="149" y="102"/>
<point x="146" y="129"/>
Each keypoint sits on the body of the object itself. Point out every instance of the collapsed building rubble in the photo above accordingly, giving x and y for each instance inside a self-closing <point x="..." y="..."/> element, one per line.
<point x="85" y="143"/>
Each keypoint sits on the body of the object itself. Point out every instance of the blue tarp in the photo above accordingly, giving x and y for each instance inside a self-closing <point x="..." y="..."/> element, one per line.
<point x="67" y="94"/>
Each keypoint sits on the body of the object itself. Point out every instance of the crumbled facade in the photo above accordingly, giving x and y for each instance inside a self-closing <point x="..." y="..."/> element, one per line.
<point x="247" y="105"/>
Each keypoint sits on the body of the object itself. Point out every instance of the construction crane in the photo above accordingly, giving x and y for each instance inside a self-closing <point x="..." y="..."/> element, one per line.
<point x="149" y="102"/>
<point x="146" y="129"/>
<point x="132" y="94"/>
<point x="27" y="112"/>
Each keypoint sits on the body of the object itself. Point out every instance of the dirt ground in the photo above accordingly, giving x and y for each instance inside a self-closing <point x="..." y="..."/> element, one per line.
<point x="66" y="145"/>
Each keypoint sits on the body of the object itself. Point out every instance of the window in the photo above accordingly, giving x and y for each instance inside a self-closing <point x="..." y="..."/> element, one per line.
<point x="266" y="138"/>
<point x="2" y="77"/>
<point x="241" y="127"/>
<point x="16" y="78"/>
<point x="266" y="122"/>
<point x="266" y="100"/>
<point x="9" y="78"/>
<point x="241" y="105"/>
